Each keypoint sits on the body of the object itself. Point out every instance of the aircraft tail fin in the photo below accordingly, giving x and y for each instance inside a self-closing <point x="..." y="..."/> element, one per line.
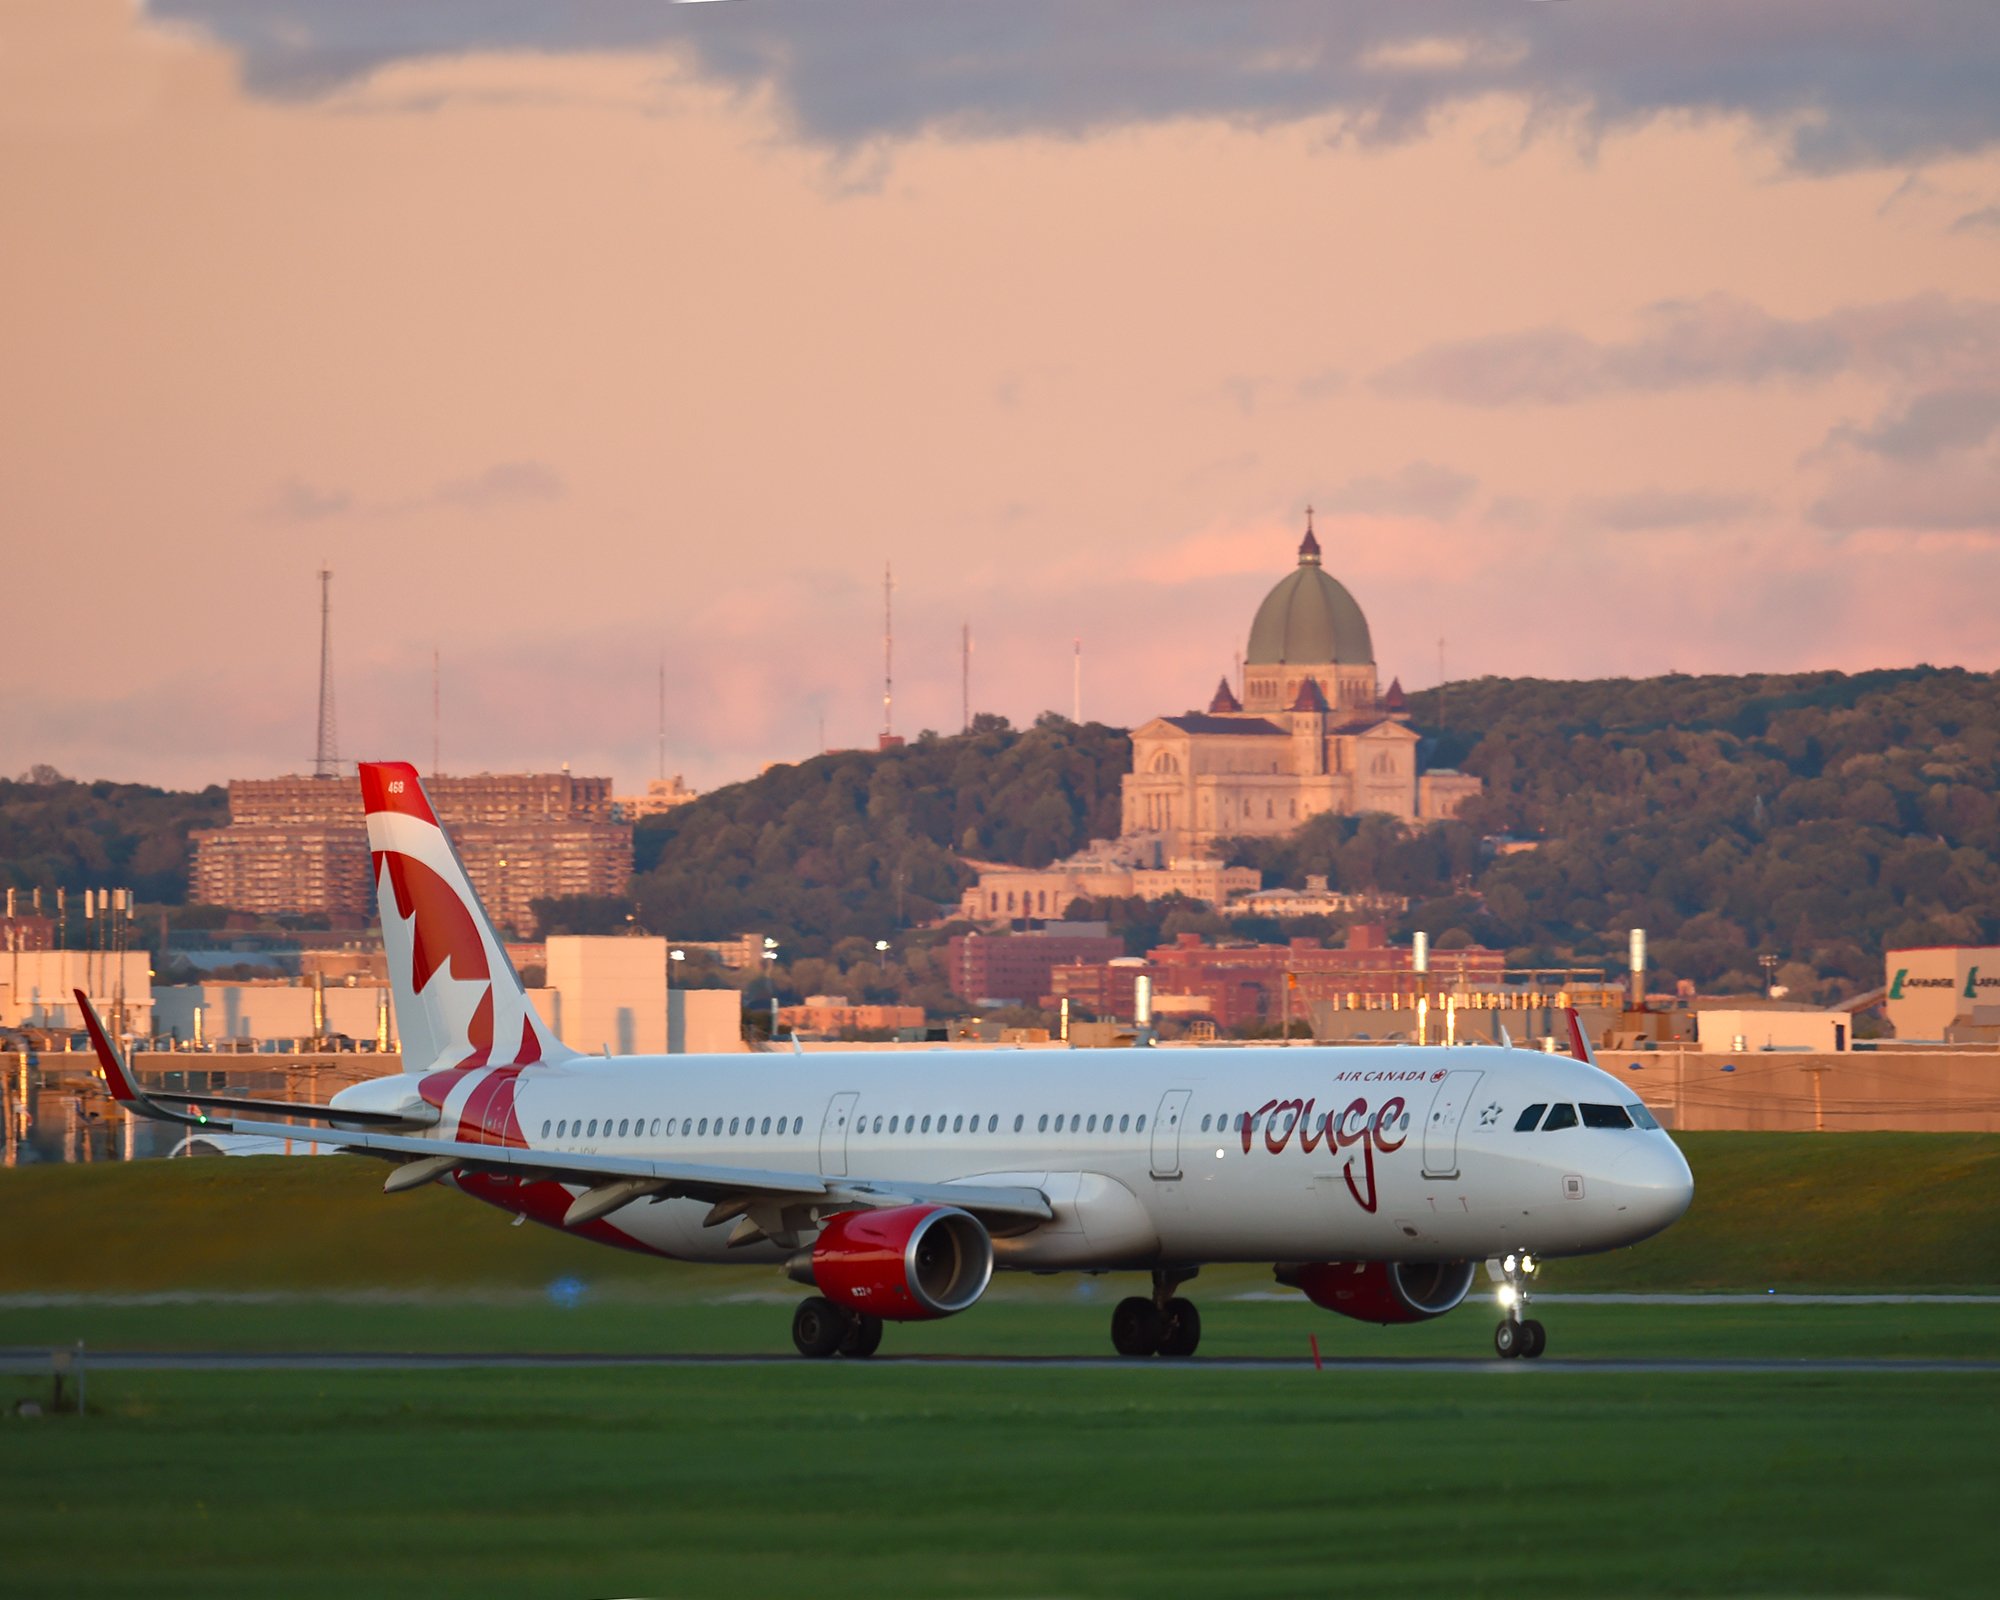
<point x="1579" y="1041"/>
<point x="459" y="1001"/>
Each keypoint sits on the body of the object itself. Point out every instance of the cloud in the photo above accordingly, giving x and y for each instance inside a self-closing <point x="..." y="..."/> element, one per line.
<point x="1717" y="339"/>
<point x="1928" y="425"/>
<point x="1986" y="217"/>
<point x="298" y="501"/>
<point x="1649" y="510"/>
<point x="1961" y="494"/>
<point x="1836" y="84"/>
<point x="504" y="483"/>
<point x="1421" y="489"/>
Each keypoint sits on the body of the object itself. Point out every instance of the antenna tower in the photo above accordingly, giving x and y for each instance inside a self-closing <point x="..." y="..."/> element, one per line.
<point x="326" y="762"/>
<point x="437" y="721"/>
<point x="888" y="652"/>
<point x="663" y="719"/>
<point x="965" y="673"/>
<point x="1076" y="685"/>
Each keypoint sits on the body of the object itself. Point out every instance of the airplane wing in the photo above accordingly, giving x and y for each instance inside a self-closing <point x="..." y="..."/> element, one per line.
<point x="609" y="1182"/>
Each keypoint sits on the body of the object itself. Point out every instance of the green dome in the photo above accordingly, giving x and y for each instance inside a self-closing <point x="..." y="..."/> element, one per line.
<point x="1309" y="618"/>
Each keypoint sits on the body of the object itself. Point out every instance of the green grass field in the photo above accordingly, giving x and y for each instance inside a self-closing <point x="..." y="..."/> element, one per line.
<point x="898" y="1478"/>
<point x="847" y="1479"/>
<point x="1801" y="1211"/>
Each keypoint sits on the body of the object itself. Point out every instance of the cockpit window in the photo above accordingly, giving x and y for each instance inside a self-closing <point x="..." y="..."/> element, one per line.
<point x="1606" y="1117"/>
<point x="1560" y="1117"/>
<point x="1531" y="1116"/>
<point x="1642" y="1116"/>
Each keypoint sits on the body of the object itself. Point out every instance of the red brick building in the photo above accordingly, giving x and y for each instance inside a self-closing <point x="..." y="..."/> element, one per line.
<point x="1246" y="984"/>
<point x="1016" y="966"/>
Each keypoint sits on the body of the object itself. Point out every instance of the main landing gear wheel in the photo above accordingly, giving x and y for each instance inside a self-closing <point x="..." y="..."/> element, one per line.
<point x="819" y="1327"/>
<point x="864" y="1337"/>
<point x="1508" y="1338"/>
<point x="1183" y="1329"/>
<point x="1136" y="1326"/>
<point x="1164" y="1325"/>
<point x="1537" y="1337"/>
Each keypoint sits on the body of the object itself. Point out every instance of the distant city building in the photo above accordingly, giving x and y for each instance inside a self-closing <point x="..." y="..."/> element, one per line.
<point x="1316" y="900"/>
<point x="739" y="954"/>
<point x="297" y="846"/>
<point x="823" y="1014"/>
<point x="1016" y="966"/>
<point x="1107" y="869"/>
<point x="27" y="933"/>
<point x="1249" y="983"/>
<point x="1311" y="733"/>
<point x="37" y="987"/>
<point x="662" y="795"/>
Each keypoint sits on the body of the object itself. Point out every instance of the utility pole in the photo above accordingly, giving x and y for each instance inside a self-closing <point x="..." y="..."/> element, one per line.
<point x="965" y="674"/>
<point x="663" y="719"/>
<point x="1076" y="684"/>
<point x="326" y="760"/>
<point x="437" y="721"/>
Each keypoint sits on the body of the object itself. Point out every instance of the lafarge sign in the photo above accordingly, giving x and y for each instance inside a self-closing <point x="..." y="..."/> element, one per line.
<point x="1929" y="989"/>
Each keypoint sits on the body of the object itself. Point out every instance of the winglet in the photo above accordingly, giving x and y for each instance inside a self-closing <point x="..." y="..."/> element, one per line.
<point x="1579" y="1043"/>
<point x="117" y="1077"/>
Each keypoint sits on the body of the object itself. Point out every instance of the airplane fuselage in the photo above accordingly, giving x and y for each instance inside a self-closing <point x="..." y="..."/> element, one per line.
<point x="1148" y="1157"/>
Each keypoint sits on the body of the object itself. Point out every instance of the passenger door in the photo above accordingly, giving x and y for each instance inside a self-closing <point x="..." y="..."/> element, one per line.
<point x="1441" y="1131"/>
<point x="833" y="1134"/>
<point x="1167" y="1133"/>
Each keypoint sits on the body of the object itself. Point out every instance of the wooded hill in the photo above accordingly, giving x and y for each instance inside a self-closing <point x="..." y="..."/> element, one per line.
<point x="1816" y="817"/>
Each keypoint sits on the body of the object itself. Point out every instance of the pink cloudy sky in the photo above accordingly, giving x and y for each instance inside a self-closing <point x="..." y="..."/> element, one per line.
<point x="1608" y="338"/>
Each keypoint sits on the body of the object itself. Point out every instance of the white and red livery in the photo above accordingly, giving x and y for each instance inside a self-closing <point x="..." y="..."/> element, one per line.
<point x="1374" y="1178"/>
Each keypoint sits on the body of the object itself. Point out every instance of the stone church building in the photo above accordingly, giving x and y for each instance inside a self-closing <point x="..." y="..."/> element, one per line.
<point x="1311" y="733"/>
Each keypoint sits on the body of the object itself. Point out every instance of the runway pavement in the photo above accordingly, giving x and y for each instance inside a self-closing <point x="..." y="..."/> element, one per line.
<point x="34" y="1361"/>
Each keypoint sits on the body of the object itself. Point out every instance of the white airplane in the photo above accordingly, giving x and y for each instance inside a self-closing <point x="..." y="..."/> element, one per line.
<point x="1375" y="1179"/>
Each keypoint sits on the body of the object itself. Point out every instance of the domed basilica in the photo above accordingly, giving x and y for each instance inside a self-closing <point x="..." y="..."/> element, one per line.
<point x="1311" y="733"/>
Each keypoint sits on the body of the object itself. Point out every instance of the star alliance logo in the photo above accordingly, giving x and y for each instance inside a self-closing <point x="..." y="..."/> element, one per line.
<point x="1490" y="1115"/>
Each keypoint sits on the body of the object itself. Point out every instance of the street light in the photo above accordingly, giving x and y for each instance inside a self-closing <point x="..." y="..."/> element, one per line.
<point x="881" y="947"/>
<point x="672" y="957"/>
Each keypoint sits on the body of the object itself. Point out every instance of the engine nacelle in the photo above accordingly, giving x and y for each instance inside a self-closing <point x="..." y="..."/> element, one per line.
<point x="1383" y="1291"/>
<point x="905" y="1264"/>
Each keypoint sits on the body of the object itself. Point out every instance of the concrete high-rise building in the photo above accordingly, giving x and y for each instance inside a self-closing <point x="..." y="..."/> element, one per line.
<point x="298" y="846"/>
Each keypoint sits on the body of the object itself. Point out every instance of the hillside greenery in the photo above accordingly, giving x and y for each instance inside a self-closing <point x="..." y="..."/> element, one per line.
<point x="1814" y="818"/>
<point x="57" y="833"/>
<point x="862" y="845"/>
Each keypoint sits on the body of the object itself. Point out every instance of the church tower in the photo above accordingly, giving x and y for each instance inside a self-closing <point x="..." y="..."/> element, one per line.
<point x="1309" y="628"/>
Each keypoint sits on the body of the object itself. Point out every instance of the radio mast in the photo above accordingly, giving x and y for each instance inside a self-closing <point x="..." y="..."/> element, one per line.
<point x="326" y="761"/>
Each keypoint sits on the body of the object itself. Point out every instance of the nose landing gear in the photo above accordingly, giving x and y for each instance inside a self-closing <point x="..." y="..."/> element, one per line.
<point x="1517" y="1335"/>
<point x="1165" y="1325"/>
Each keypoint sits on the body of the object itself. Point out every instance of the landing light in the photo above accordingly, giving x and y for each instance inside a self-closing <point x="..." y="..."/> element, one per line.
<point x="1506" y="1295"/>
<point x="1509" y="1263"/>
<point x="1527" y="1263"/>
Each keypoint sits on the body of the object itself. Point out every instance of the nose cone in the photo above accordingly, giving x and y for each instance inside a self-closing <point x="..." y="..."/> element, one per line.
<point x="1650" y="1189"/>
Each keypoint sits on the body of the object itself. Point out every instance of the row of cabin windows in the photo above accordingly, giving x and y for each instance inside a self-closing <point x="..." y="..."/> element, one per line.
<point x="1565" y="1116"/>
<point x="1283" y="1125"/>
<point x="675" y="1127"/>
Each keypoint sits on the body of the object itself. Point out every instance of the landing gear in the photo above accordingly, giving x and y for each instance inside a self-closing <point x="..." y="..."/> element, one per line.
<point x="1164" y="1325"/>
<point x="1136" y="1326"/>
<point x="864" y="1337"/>
<point x="819" y="1327"/>
<point x="1517" y="1335"/>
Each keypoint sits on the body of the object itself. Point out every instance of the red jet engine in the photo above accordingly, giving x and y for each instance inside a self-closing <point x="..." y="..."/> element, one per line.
<point x="1383" y="1291"/>
<point x="905" y="1264"/>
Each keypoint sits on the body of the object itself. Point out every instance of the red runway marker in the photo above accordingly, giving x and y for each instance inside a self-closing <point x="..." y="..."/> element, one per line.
<point x="1315" y="1344"/>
